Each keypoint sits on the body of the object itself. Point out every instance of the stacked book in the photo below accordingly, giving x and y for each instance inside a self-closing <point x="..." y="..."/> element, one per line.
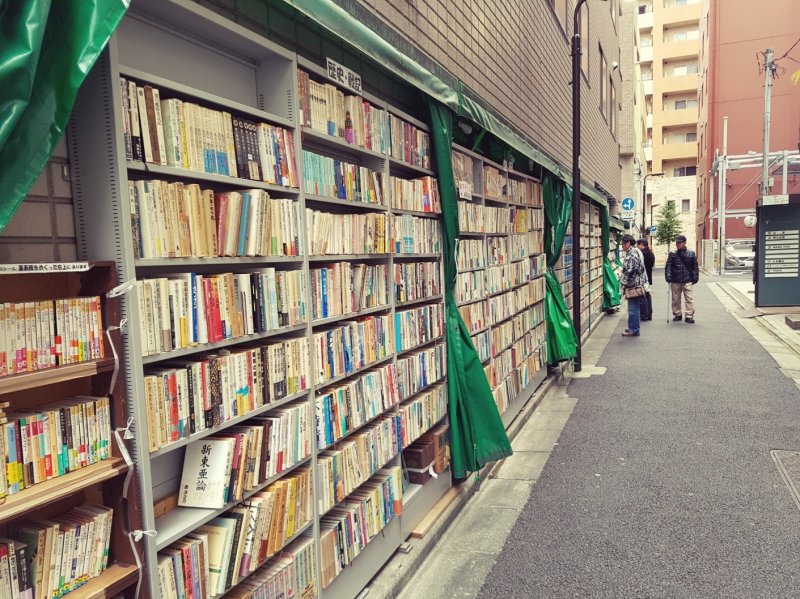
<point x="187" y="309"/>
<point x="418" y="326"/>
<point x="50" y="558"/>
<point x="44" y="334"/>
<point x="177" y="220"/>
<point x="420" y="195"/>
<point x="409" y="143"/>
<point x="418" y="415"/>
<point x="471" y="254"/>
<point x="325" y="108"/>
<point x="222" y="468"/>
<point x="188" y="397"/>
<point x="470" y="286"/>
<point x="181" y="134"/>
<point x="420" y="369"/>
<point x="494" y="182"/>
<point x="345" y="408"/>
<point x="332" y="234"/>
<point x="292" y="574"/>
<point x="215" y="557"/>
<point x="328" y="177"/>
<point x="415" y="235"/>
<point x="417" y="281"/>
<point x="474" y="316"/>
<point x="343" y="288"/>
<point x="53" y="440"/>
<point x="355" y="345"/>
<point x="471" y="217"/>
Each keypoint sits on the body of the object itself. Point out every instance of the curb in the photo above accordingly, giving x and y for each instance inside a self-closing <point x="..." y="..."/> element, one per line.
<point x="402" y="567"/>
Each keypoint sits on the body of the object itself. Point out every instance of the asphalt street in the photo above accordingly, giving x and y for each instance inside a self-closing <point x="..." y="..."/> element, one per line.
<point x="661" y="483"/>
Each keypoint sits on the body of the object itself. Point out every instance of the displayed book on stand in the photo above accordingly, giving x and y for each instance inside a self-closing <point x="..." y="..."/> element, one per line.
<point x="281" y="236"/>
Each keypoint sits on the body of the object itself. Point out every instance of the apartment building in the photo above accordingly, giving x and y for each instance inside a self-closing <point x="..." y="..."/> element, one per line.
<point x="669" y="47"/>
<point x="732" y="85"/>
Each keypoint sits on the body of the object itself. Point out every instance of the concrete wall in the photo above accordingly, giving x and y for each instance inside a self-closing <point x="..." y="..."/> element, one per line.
<point x="663" y="189"/>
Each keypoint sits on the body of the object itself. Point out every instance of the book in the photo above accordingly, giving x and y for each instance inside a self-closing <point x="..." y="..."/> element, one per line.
<point x="206" y="473"/>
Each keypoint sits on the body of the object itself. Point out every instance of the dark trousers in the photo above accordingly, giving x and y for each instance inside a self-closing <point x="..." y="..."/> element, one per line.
<point x="647" y="306"/>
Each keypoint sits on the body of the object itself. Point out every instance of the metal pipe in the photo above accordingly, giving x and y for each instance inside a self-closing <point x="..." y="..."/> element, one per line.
<point x="576" y="183"/>
<point x="723" y="193"/>
<point x="768" y="72"/>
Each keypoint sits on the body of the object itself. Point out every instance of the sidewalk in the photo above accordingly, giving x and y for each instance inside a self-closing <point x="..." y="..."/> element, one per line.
<point x="653" y="478"/>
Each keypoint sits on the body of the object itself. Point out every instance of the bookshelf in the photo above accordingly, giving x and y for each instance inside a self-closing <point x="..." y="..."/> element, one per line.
<point x="77" y="461"/>
<point x="500" y="284"/>
<point x="194" y="56"/>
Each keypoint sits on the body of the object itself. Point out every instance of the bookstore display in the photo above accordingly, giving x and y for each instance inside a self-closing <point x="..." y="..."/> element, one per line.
<point x="63" y="517"/>
<point x="281" y="237"/>
<point x="500" y="284"/>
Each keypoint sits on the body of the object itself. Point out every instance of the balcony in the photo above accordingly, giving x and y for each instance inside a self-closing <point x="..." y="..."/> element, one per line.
<point x="681" y="14"/>
<point x="645" y="53"/>
<point x="648" y="153"/>
<point x="649" y="121"/>
<point x="672" y="118"/>
<point x="645" y="21"/>
<point x="678" y="151"/>
<point x="681" y="83"/>
<point x="680" y="49"/>
<point x="648" y="87"/>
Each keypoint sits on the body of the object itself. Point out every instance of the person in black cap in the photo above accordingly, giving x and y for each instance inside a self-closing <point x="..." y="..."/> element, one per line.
<point x="682" y="274"/>
<point x="649" y="263"/>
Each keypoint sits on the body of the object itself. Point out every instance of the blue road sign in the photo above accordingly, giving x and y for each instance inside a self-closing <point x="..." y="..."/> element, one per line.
<point x="653" y="230"/>
<point x="628" y="204"/>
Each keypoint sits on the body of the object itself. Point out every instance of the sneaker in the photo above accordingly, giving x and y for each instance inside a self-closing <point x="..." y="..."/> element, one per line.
<point x="679" y="317"/>
<point x="689" y="320"/>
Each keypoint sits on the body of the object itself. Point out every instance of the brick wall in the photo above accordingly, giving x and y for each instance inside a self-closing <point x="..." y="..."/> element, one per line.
<point x="43" y="228"/>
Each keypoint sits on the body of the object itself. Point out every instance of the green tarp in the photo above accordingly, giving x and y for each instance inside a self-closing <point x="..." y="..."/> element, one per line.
<point x="562" y="344"/>
<point x="477" y="434"/>
<point x="46" y="49"/>
<point x="611" y="292"/>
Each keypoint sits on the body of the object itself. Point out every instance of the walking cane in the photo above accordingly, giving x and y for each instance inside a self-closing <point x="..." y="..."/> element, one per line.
<point x="669" y="303"/>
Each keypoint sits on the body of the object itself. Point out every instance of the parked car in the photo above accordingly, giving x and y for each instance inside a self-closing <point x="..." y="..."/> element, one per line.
<point x="740" y="254"/>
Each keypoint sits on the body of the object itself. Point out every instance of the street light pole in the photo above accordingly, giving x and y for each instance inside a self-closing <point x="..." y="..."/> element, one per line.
<point x="644" y="202"/>
<point x="576" y="182"/>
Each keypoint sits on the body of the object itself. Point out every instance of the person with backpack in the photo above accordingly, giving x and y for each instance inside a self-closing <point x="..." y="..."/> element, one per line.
<point x="632" y="280"/>
<point x="682" y="274"/>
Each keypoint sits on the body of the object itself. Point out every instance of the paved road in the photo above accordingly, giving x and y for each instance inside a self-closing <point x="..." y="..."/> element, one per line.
<point x="662" y="484"/>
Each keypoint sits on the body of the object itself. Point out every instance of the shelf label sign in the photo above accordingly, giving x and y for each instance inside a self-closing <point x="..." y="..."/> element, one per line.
<point x="45" y="267"/>
<point x="344" y="76"/>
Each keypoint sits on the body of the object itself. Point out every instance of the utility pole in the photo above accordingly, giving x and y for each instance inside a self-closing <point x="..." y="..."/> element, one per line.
<point x="723" y="193"/>
<point x="769" y="72"/>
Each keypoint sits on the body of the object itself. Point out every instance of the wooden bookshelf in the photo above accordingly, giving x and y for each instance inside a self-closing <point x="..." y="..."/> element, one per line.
<point x="51" y="376"/>
<point x="117" y="578"/>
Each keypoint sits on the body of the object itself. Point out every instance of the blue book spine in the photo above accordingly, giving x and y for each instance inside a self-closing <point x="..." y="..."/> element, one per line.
<point x="398" y="338"/>
<point x="324" y="276"/>
<point x="244" y="223"/>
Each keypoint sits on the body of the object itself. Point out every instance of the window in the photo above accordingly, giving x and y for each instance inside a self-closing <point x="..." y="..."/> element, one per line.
<point x="613" y="107"/>
<point x="647" y="75"/>
<point x="603" y="85"/>
<point x="646" y="42"/>
<point x="684" y="69"/>
<point x="684" y="104"/>
<point x="686" y="205"/>
<point x="644" y="9"/>
<point x="684" y="171"/>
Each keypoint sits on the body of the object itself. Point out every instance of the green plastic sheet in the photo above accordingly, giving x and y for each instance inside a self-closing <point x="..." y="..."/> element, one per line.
<point x="477" y="434"/>
<point x="611" y="291"/>
<point x="46" y="49"/>
<point x="562" y="344"/>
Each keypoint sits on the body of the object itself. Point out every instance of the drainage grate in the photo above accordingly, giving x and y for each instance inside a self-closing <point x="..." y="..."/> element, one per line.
<point x="788" y="463"/>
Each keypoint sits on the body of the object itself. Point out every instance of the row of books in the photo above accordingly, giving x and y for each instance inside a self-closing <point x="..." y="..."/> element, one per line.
<point x="50" y="558"/>
<point x="178" y="220"/>
<point x="471" y="217"/>
<point x="420" y="414"/>
<point x="344" y="287"/>
<point x="528" y="320"/>
<point x="464" y="175"/>
<point x="470" y="254"/>
<point x="418" y="325"/>
<point x="538" y="265"/>
<point x="417" y="280"/>
<point x="494" y="182"/>
<point x="346" y="407"/>
<point x="519" y="379"/>
<point x="507" y="276"/>
<point x="420" y="369"/>
<point x="223" y="467"/>
<point x="185" y="135"/>
<point x="348" y="528"/>
<point x="477" y="218"/>
<point x="352" y="462"/>
<point x="292" y="574"/>
<point x="52" y="441"/>
<point x="325" y="176"/>
<point x="334" y="234"/>
<point x="482" y="344"/>
<point x="470" y="286"/>
<point x="525" y="192"/>
<point x="523" y="245"/>
<point x="420" y="195"/>
<point x="45" y="334"/>
<point x="187" y="309"/>
<point x="352" y="346"/>
<point x="507" y="304"/>
<point x="526" y="219"/>
<point x="190" y="396"/>
<point x="416" y="235"/>
<point x="325" y="108"/>
<point x="409" y="143"/>
<point x="474" y="316"/>
<point x="503" y="335"/>
<point x="216" y="556"/>
<point x="504" y="362"/>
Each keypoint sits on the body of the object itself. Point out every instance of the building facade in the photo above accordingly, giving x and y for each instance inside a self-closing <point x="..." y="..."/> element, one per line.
<point x="669" y="48"/>
<point x="732" y="85"/>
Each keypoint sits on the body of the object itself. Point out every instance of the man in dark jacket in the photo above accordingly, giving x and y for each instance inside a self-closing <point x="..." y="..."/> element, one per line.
<point x="682" y="274"/>
<point x="649" y="263"/>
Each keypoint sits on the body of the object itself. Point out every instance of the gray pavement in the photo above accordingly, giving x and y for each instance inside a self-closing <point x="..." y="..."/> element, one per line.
<point x="651" y="477"/>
